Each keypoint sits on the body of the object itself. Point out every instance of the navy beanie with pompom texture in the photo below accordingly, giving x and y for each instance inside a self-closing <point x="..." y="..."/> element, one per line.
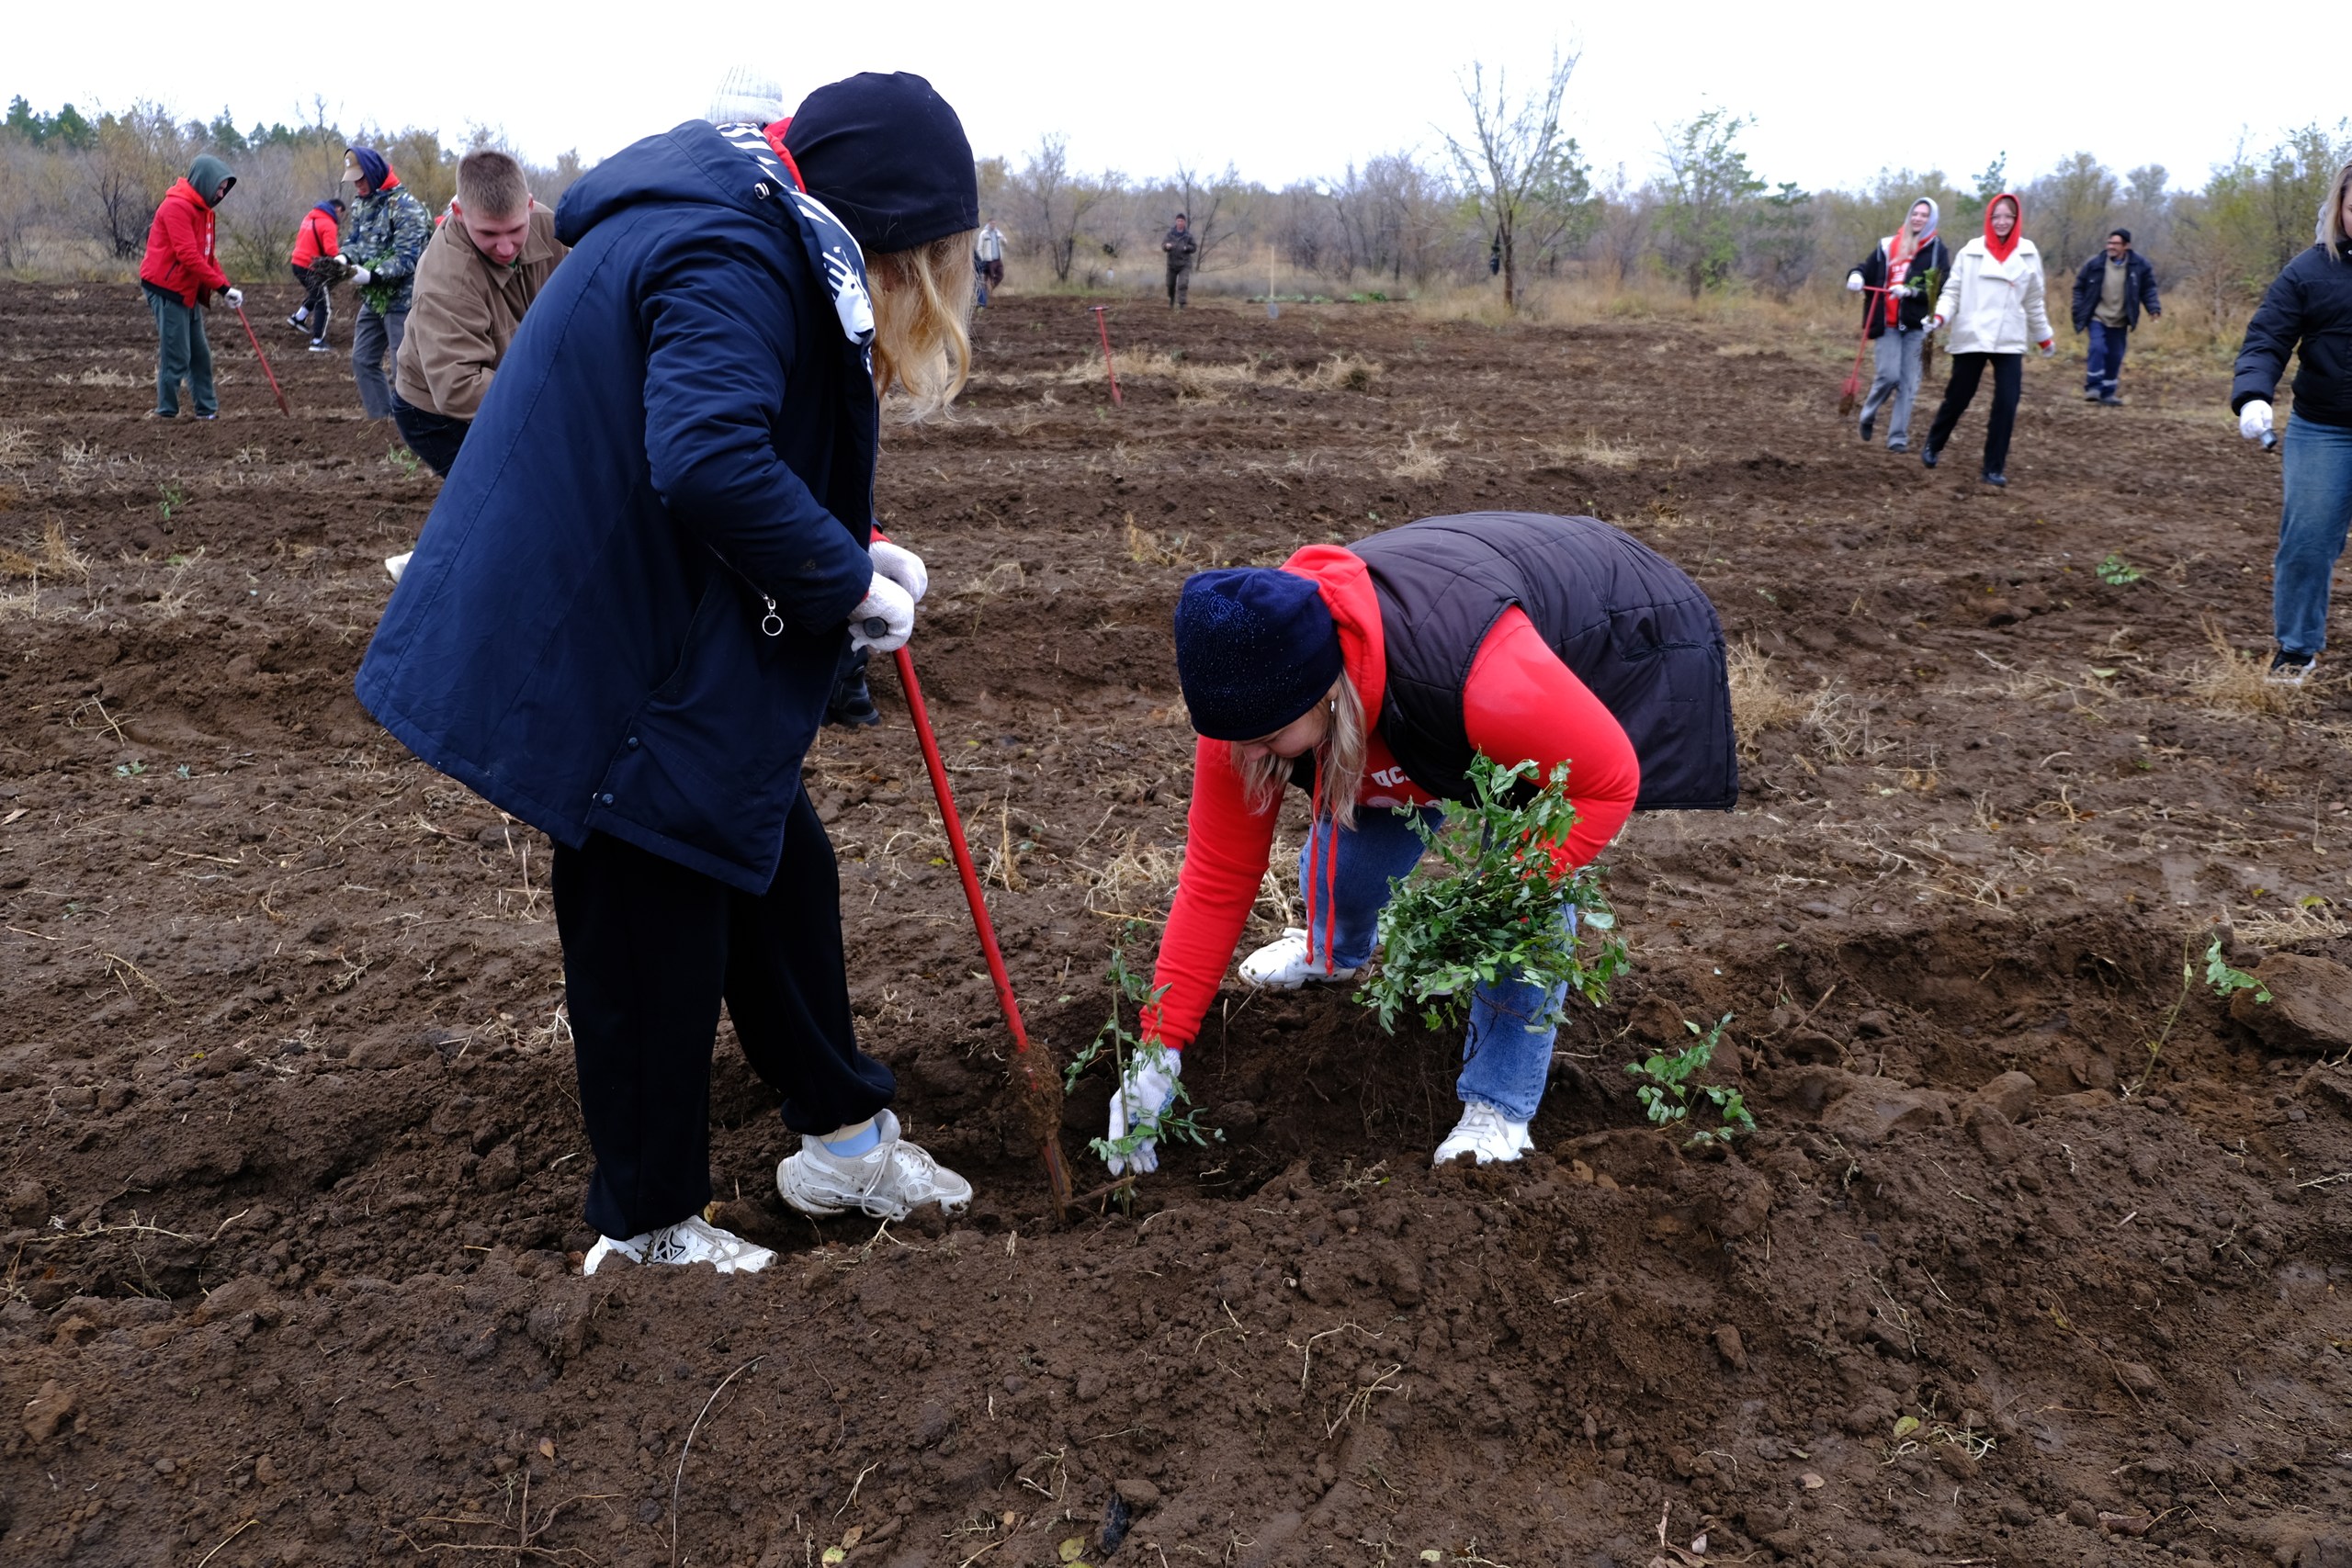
<point x="1255" y="648"/>
<point x="886" y="156"/>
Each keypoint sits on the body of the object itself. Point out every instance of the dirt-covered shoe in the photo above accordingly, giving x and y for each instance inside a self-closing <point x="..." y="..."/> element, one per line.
<point x="888" y="1182"/>
<point x="2292" y="669"/>
<point x="1286" y="964"/>
<point x="1486" y="1132"/>
<point x="689" y="1241"/>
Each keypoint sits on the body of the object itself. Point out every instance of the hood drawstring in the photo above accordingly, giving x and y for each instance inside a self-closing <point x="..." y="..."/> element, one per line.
<point x="1327" y="927"/>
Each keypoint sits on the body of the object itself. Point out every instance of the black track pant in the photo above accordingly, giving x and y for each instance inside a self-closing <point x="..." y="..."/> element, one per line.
<point x="2009" y="381"/>
<point x="314" y="301"/>
<point x="650" y="949"/>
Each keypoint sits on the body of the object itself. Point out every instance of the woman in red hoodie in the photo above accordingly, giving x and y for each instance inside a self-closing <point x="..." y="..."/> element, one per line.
<point x="179" y="277"/>
<point x="1371" y="676"/>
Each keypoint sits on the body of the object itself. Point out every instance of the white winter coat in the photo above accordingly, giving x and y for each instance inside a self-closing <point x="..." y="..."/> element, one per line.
<point x="1994" y="307"/>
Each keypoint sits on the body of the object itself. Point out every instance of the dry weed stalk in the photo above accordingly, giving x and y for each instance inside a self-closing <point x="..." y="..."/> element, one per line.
<point x="1135" y="883"/>
<point x="1418" y="462"/>
<point x="2283" y="928"/>
<point x="1759" y="701"/>
<point x="1345" y="373"/>
<point x="1144" y="547"/>
<point x="2236" y="680"/>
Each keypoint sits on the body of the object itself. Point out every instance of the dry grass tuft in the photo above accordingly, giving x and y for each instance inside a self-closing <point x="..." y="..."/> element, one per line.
<point x="53" y="557"/>
<point x="1418" y="461"/>
<point x="1135" y="883"/>
<point x="2268" y="929"/>
<point x="1345" y="373"/>
<point x="1590" y="452"/>
<point x="1759" y="701"/>
<point x="2235" y="679"/>
<point x="15" y="448"/>
<point x="1144" y="547"/>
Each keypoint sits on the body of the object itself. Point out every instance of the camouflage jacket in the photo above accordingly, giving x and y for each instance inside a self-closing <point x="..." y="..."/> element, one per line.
<point x="386" y="233"/>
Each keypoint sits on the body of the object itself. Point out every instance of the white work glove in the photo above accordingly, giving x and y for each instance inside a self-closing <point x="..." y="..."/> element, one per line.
<point x="235" y="298"/>
<point x="893" y="607"/>
<point x="361" y="276"/>
<point x="2050" y="348"/>
<point x="901" y="566"/>
<point x="1906" y="291"/>
<point x="1145" y="1093"/>
<point x="1853" y="283"/>
<point x="1934" y="321"/>
<point x="2254" y="419"/>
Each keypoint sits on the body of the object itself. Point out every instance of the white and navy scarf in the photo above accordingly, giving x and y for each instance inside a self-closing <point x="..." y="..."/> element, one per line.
<point x="829" y="243"/>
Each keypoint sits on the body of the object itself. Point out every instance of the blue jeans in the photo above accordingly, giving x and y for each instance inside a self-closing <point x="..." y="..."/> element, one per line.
<point x="2105" y="361"/>
<point x="182" y="351"/>
<point x="375" y="343"/>
<point x="1504" y="1061"/>
<point x="1896" y="378"/>
<point x="2316" y="460"/>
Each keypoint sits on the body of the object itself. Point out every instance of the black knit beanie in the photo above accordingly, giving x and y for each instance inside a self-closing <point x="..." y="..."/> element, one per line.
<point x="888" y="157"/>
<point x="1255" y="648"/>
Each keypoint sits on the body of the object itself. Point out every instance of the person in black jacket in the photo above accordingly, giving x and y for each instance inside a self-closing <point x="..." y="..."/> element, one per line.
<point x="2307" y="311"/>
<point x="2108" y="293"/>
<point x="1897" y="282"/>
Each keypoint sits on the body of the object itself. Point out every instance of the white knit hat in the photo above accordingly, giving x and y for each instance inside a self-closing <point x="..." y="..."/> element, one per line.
<point x="746" y="96"/>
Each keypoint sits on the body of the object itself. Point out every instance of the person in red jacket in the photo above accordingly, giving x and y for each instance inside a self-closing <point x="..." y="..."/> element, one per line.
<point x="314" y="242"/>
<point x="1372" y="675"/>
<point x="179" y="277"/>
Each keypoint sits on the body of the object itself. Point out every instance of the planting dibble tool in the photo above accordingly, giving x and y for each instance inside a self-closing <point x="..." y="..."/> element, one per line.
<point x="1103" y="325"/>
<point x="1040" y="1090"/>
<point x="255" y="339"/>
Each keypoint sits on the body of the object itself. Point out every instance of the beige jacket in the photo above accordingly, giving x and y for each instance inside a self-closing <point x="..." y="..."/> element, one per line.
<point x="464" y="314"/>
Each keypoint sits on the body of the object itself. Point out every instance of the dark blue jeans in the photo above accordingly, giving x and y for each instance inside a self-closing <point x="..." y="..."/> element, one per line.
<point x="2105" y="361"/>
<point x="432" y="437"/>
<point x="181" y="351"/>
<point x="2316" y="464"/>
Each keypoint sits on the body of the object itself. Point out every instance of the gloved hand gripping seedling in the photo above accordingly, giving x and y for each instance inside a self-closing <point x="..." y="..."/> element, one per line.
<point x="1149" y="1103"/>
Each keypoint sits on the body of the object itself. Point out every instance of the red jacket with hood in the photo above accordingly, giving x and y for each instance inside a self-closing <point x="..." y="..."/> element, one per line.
<point x="179" y="247"/>
<point x="1521" y="702"/>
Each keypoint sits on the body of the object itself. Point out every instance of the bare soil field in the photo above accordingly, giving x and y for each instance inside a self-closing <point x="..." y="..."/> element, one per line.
<point x="2038" y="1256"/>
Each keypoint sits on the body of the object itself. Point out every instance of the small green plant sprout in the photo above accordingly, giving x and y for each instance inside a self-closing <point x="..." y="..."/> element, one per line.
<point x="169" y="499"/>
<point x="2117" y="572"/>
<point x="1120" y="1046"/>
<point x="1495" y="909"/>
<point x="130" y="770"/>
<point x="401" y="458"/>
<point x="2227" y="982"/>
<point x="1667" y="1094"/>
<point x="183" y="771"/>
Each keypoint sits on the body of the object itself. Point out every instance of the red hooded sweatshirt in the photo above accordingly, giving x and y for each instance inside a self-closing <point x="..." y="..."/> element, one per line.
<point x="1520" y="703"/>
<point x="2003" y="249"/>
<point x="179" y="247"/>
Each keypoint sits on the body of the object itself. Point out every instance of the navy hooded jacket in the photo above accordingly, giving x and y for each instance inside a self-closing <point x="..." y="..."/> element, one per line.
<point x="625" y="613"/>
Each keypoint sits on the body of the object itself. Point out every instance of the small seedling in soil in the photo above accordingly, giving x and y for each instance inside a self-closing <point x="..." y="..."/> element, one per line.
<point x="1667" y="1092"/>
<point x="130" y="770"/>
<point x="169" y="499"/>
<point x="2227" y="982"/>
<point x="1494" y="913"/>
<point x="1120" y="1045"/>
<point x="2116" y="571"/>
<point x="403" y="459"/>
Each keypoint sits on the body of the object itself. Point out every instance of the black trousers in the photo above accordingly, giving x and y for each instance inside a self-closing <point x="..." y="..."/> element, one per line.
<point x="2008" y="383"/>
<point x="432" y="437"/>
<point x="314" y="301"/>
<point x="650" y="950"/>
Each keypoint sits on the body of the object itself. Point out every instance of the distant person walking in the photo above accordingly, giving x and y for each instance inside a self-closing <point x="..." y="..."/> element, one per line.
<point x="179" y="277"/>
<point x="988" y="259"/>
<point x="1182" y="247"/>
<point x="1897" y="281"/>
<point x="314" y="242"/>
<point x="388" y="233"/>
<point x="479" y="274"/>
<point x="1992" y="303"/>
<point x="2306" y="311"/>
<point x="2108" y="293"/>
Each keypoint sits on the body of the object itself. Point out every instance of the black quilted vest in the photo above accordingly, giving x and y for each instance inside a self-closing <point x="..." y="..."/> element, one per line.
<point x="1633" y="626"/>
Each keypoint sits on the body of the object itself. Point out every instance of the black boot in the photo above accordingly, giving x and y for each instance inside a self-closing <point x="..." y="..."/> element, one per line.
<point x="851" y="704"/>
<point x="1998" y="481"/>
<point x="1927" y="454"/>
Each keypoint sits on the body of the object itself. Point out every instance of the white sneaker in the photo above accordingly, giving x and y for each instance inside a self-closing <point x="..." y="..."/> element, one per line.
<point x="398" y="564"/>
<point x="888" y="1181"/>
<point x="689" y="1241"/>
<point x="1286" y="964"/>
<point x="1486" y="1132"/>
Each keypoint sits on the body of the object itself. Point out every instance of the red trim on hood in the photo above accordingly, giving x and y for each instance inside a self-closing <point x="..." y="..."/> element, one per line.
<point x="2004" y="249"/>
<point x="1344" y="581"/>
<point x="773" y="131"/>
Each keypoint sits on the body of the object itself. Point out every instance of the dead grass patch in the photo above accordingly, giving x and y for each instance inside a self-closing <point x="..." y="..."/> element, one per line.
<point x="54" y="556"/>
<point x="1134" y="884"/>
<point x="2284" y="928"/>
<point x="1419" y="461"/>
<point x="1345" y="373"/>
<point x="1590" y="451"/>
<point x="2236" y="681"/>
<point x="1759" y="701"/>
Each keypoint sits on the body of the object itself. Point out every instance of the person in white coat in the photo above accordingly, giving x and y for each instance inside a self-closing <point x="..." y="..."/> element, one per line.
<point x="1992" y="303"/>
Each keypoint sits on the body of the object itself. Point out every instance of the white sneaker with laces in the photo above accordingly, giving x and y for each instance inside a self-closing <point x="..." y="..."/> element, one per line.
<point x="692" y="1240"/>
<point x="1486" y="1132"/>
<point x="888" y="1181"/>
<point x="398" y="564"/>
<point x="1286" y="964"/>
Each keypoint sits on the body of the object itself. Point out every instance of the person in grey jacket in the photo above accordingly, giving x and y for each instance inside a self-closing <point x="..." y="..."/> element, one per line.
<point x="1182" y="247"/>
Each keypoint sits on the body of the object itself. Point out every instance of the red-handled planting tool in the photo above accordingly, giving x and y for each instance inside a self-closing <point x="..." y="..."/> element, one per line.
<point x="1040" y="1092"/>
<point x="255" y="339"/>
<point x="1103" y="325"/>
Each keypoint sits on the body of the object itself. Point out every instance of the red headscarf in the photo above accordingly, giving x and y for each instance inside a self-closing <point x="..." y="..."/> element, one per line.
<point x="2002" y="249"/>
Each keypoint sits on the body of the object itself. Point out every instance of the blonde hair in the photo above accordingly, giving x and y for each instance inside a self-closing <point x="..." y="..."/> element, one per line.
<point x="923" y="323"/>
<point x="2331" y="235"/>
<point x="1338" y="762"/>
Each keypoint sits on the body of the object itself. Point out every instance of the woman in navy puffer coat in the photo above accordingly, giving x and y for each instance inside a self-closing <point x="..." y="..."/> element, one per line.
<point x="625" y="615"/>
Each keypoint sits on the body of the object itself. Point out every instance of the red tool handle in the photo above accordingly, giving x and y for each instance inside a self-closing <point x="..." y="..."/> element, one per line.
<point x="1057" y="1176"/>
<point x="1102" y="324"/>
<point x="266" y="370"/>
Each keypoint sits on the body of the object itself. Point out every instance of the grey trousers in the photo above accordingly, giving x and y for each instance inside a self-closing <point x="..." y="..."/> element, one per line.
<point x="375" y="346"/>
<point x="1897" y="381"/>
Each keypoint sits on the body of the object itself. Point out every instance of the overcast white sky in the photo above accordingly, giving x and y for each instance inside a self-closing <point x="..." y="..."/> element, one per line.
<point x="1284" y="91"/>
